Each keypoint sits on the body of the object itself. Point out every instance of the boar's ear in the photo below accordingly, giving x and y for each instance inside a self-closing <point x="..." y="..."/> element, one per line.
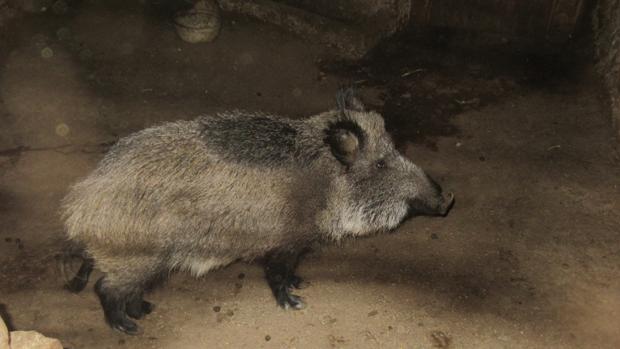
<point x="345" y="139"/>
<point x="347" y="100"/>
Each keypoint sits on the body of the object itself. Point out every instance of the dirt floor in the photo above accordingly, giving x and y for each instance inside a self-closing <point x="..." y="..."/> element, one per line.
<point x="528" y="257"/>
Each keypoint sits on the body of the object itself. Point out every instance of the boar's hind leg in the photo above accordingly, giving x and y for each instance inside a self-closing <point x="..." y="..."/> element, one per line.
<point x="280" y="274"/>
<point x="113" y="300"/>
<point x="120" y="292"/>
<point x="80" y="279"/>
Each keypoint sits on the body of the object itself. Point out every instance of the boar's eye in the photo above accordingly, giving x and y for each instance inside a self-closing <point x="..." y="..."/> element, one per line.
<point x="381" y="164"/>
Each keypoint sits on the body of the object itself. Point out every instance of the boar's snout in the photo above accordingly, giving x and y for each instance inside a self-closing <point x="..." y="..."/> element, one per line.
<point x="436" y="205"/>
<point x="431" y="200"/>
<point x="447" y="201"/>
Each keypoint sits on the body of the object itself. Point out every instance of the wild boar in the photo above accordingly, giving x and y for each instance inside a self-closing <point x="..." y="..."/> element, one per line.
<point x="197" y="195"/>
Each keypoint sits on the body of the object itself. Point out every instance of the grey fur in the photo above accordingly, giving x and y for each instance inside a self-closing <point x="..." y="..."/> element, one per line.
<point x="197" y="195"/>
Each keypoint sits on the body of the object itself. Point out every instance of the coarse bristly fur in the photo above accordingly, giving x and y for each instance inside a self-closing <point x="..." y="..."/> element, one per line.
<point x="200" y="194"/>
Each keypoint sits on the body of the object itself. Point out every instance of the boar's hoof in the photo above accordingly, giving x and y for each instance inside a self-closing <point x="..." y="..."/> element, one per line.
<point x="138" y="309"/>
<point x="286" y="300"/>
<point x="282" y="279"/>
<point x="124" y="325"/>
<point x="114" y="306"/>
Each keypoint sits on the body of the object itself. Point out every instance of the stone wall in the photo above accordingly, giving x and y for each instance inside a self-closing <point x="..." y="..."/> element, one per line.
<point x="538" y="22"/>
<point x="607" y="48"/>
<point x="524" y="25"/>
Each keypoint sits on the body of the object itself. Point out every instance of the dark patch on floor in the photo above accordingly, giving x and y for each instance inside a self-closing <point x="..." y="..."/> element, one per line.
<point x="427" y="81"/>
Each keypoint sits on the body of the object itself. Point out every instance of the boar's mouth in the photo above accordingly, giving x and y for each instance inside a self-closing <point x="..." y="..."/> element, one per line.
<point x="439" y="205"/>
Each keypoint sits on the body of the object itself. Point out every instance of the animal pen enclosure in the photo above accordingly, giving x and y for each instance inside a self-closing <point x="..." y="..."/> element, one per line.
<point x="513" y="105"/>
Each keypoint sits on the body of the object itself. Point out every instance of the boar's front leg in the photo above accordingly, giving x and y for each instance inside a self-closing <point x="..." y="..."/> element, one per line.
<point x="280" y="273"/>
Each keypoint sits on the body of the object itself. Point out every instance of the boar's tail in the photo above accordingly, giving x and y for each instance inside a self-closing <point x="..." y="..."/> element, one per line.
<point x="77" y="282"/>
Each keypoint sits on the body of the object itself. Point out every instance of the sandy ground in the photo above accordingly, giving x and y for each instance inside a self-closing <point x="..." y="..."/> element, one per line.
<point x="528" y="258"/>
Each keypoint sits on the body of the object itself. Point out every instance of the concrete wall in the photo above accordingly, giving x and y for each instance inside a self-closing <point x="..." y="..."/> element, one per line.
<point x="607" y="45"/>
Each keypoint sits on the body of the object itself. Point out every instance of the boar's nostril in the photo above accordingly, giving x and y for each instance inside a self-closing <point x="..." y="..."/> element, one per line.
<point x="448" y="202"/>
<point x="449" y="197"/>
